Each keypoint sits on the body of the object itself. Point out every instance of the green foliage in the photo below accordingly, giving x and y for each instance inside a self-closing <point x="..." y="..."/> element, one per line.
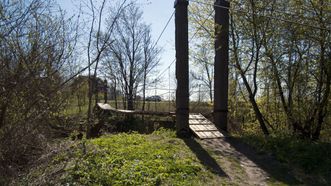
<point x="165" y="133"/>
<point x="134" y="159"/>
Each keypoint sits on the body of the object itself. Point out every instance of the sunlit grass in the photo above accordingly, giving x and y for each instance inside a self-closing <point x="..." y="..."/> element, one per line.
<point x="135" y="159"/>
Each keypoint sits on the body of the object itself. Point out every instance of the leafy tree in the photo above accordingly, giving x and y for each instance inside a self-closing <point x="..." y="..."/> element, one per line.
<point x="280" y="49"/>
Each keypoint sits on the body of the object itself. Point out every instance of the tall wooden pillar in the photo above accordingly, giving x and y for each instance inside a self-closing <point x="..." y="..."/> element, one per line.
<point x="221" y="71"/>
<point x="182" y="68"/>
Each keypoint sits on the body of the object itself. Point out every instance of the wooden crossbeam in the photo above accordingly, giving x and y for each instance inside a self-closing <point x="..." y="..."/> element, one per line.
<point x="107" y="107"/>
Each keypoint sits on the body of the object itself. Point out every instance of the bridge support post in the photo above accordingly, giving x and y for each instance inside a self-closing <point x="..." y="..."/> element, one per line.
<point x="221" y="71"/>
<point x="182" y="68"/>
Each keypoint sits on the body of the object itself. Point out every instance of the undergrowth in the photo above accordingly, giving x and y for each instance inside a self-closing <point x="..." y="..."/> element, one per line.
<point x="133" y="159"/>
<point x="314" y="158"/>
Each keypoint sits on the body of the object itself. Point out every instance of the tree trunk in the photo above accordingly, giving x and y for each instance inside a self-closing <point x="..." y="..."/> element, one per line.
<point x="144" y="94"/>
<point x="252" y="100"/>
<point x="322" y="109"/>
<point x="256" y="108"/>
<point x="130" y="99"/>
<point x="3" y="115"/>
<point x="115" y="93"/>
<point x="144" y="90"/>
<point x="89" y="110"/>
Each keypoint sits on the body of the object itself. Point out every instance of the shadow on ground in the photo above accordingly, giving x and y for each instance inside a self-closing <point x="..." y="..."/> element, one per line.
<point x="266" y="162"/>
<point x="204" y="157"/>
<point x="234" y="148"/>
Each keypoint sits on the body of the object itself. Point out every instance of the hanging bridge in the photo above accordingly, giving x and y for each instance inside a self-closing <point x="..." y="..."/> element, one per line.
<point x="200" y="126"/>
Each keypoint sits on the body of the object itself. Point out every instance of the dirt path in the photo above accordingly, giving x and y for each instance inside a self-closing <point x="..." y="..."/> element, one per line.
<point x="241" y="163"/>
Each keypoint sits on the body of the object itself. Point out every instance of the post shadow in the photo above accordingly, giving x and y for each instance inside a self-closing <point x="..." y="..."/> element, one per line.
<point x="204" y="157"/>
<point x="266" y="162"/>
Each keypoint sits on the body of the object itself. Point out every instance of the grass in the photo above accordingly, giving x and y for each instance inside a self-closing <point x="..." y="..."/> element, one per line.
<point x="312" y="158"/>
<point x="128" y="159"/>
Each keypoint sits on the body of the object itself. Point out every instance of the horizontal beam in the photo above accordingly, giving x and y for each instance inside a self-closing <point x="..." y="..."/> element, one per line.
<point x="107" y="107"/>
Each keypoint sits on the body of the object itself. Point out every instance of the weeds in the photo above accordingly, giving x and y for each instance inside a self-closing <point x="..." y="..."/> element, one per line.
<point x="135" y="159"/>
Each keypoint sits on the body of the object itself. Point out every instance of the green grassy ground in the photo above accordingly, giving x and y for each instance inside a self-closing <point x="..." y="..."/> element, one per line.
<point x="162" y="159"/>
<point x="125" y="159"/>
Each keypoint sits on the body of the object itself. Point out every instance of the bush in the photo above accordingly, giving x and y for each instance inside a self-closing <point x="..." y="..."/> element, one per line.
<point x="19" y="146"/>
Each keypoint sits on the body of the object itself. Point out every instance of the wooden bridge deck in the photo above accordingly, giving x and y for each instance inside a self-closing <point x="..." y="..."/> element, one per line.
<point x="200" y="126"/>
<point x="203" y="128"/>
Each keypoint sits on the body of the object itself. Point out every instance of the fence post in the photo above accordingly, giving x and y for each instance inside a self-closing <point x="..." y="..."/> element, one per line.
<point x="221" y="71"/>
<point x="182" y="68"/>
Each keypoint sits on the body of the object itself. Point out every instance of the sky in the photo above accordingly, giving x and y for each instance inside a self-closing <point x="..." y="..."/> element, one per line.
<point x="155" y="13"/>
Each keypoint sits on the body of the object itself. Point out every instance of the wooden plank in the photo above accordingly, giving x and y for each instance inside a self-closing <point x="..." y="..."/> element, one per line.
<point x="193" y="122"/>
<point x="104" y="106"/>
<point x="218" y="134"/>
<point x="201" y="135"/>
<point x="196" y="116"/>
<point x="203" y="127"/>
<point x="202" y="122"/>
<point x="209" y="134"/>
<point x="199" y="121"/>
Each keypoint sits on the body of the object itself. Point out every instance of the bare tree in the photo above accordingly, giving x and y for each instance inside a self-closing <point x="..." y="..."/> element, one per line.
<point x="205" y="68"/>
<point x="132" y="52"/>
<point x="101" y="41"/>
<point x="151" y="60"/>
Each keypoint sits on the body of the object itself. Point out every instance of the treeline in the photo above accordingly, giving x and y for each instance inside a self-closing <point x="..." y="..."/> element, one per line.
<point x="280" y="62"/>
<point x="43" y="52"/>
